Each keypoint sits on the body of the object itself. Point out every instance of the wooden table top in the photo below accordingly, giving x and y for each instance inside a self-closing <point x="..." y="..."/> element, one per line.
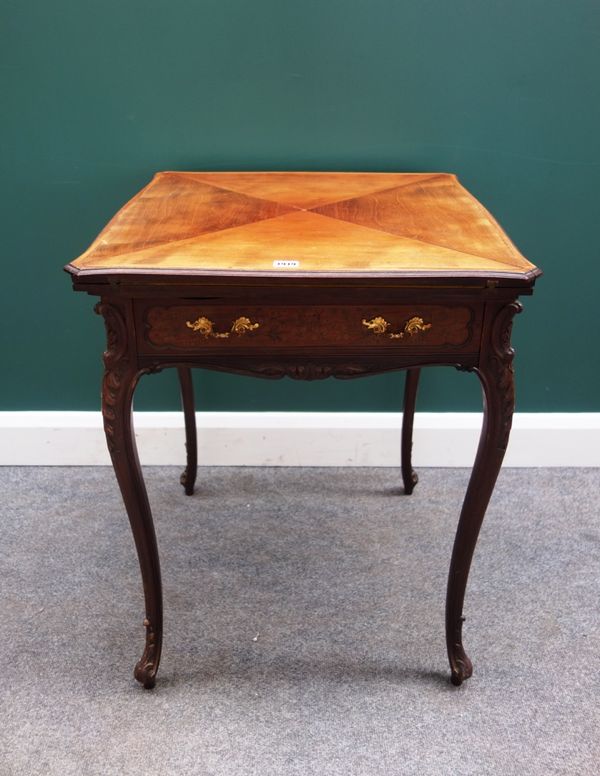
<point x="305" y="223"/>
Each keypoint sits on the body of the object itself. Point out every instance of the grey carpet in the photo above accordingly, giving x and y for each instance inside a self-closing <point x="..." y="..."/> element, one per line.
<point x="304" y="626"/>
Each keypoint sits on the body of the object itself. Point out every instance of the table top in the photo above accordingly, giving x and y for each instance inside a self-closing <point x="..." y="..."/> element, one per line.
<point x="306" y="223"/>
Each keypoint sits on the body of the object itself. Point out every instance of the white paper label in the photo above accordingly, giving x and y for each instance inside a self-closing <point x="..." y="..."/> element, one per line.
<point x="286" y="263"/>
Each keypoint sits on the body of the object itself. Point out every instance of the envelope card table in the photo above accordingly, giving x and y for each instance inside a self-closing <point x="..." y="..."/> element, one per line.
<point x="307" y="275"/>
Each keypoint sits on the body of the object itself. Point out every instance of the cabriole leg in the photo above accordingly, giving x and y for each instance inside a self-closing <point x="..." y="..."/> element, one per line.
<point x="496" y="376"/>
<point x="118" y="385"/>
<point x="409" y="475"/>
<point x="188" y="477"/>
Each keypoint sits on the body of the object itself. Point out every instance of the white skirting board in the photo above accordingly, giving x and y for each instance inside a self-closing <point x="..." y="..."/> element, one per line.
<point x="298" y="439"/>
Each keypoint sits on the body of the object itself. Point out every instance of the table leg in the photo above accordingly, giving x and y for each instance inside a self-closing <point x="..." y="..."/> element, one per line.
<point x="496" y="375"/>
<point x="118" y="386"/>
<point x="188" y="477"/>
<point x="409" y="475"/>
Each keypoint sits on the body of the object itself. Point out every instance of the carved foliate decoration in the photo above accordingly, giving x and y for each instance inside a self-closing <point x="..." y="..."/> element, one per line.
<point x="501" y="365"/>
<point x="309" y="370"/>
<point x="116" y="364"/>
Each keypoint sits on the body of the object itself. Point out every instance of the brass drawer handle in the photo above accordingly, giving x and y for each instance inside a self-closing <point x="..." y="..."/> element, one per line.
<point x="206" y="327"/>
<point x="379" y="326"/>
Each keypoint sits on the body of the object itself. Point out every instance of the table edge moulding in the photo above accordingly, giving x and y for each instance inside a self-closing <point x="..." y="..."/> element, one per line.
<point x="307" y="275"/>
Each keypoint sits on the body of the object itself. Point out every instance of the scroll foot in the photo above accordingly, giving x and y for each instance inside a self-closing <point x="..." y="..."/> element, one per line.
<point x="410" y="482"/>
<point x="187" y="482"/>
<point x="460" y="664"/>
<point x="147" y="666"/>
<point x="461" y="673"/>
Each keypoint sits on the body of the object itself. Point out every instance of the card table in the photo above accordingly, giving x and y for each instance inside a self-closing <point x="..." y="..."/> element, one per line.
<point x="306" y="275"/>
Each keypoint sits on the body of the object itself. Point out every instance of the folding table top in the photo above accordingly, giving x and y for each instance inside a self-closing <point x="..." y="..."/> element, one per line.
<point x="423" y="224"/>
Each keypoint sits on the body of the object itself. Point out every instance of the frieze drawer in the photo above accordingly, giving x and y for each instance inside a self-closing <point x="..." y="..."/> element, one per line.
<point x="247" y="328"/>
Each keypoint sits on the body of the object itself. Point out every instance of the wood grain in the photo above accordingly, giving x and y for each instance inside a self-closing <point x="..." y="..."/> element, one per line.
<point x="306" y="326"/>
<point x="321" y="222"/>
<point x="435" y="211"/>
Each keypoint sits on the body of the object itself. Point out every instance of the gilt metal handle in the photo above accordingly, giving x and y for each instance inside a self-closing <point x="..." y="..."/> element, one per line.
<point x="206" y="327"/>
<point x="379" y="326"/>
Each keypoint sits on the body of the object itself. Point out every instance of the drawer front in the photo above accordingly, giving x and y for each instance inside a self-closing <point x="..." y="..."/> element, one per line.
<point x="215" y="328"/>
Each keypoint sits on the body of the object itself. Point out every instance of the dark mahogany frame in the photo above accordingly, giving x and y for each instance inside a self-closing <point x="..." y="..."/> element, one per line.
<point x="493" y="295"/>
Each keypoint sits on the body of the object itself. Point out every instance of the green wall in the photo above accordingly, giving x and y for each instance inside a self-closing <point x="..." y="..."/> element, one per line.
<point x="96" y="96"/>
